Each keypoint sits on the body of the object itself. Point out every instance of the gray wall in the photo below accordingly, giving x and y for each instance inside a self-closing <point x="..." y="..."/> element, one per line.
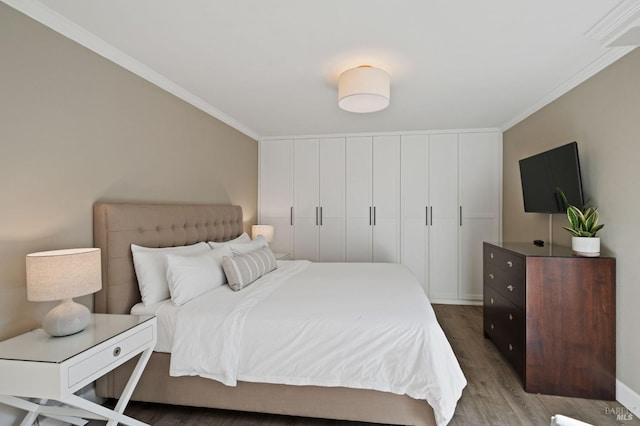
<point x="76" y="128"/>
<point x="603" y="116"/>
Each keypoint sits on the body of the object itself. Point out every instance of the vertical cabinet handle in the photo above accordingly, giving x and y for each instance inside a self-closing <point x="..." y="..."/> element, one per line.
<point x="374" y="215"/>
<point x="320" y="215"/>
<point x="431" y="215"/>
<point x="460" y="215"/>
<point x="291" y="216"/>
<point x="370" y="216"/>
<point x="317" y="216"/>
<point x="426" y="215"/>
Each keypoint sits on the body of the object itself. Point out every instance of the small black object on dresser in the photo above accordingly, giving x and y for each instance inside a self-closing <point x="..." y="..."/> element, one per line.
<point x="552" y="315"/>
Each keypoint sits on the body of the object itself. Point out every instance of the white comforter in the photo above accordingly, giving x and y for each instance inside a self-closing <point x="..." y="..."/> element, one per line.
<point x="353" y="325"/>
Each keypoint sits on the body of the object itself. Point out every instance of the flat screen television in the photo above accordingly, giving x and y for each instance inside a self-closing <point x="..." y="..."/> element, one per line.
<point x="542" y="173"/>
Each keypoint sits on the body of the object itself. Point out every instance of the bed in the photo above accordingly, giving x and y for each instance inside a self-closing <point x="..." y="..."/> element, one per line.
<point x="118" y="225"/>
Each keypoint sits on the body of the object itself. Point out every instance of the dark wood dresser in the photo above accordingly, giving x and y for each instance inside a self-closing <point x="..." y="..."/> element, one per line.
<point x="553" y="316"/>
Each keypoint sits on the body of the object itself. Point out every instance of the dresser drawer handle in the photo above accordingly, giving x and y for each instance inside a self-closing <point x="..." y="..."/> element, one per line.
<point x="510" y="348"/>
<point x="491" y="255"/>
<point x="510" y="317"/>
<point x="492" y="326"/>
<point x="509" y="264"/>
<point x="117" y="351"/>
<point x="491" y="276"/>
<point x="492" y="300"/>
<point x="510" y="287"/>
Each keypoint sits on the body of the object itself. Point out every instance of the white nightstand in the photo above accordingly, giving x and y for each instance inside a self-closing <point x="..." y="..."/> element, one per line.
<point x="36" y="365"/>
<point x="281" y="256"/>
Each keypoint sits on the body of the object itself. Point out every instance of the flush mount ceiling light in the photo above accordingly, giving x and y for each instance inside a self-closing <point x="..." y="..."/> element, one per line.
<point x="364" y="89"/>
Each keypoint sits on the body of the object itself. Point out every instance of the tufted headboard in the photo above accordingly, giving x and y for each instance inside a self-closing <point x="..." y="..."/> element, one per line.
<point x="118" y="225"/>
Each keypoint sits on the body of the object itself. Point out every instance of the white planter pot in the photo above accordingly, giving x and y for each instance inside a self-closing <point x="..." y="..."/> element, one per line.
<point x="586" y="246"/>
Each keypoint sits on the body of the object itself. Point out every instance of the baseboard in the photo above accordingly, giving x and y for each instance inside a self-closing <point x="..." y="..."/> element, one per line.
<point x="627" y="397"/>
<point x="455" y="302"/>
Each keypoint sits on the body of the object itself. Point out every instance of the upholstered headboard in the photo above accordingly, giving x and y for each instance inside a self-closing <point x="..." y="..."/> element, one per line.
<point x="118" y="225"/>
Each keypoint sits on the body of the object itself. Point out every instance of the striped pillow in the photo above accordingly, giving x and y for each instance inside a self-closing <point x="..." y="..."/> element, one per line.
<point x="243" y="269"/>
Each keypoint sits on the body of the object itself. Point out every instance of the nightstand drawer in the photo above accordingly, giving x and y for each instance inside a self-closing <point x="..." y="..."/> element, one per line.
<point x="114" y="353"/>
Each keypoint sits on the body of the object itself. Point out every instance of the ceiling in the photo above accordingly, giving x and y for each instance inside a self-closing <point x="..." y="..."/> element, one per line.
<point x="270" y="68"/>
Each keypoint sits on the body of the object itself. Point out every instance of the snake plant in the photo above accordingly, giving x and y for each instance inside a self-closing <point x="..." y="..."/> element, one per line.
<point x="583" y="221"/>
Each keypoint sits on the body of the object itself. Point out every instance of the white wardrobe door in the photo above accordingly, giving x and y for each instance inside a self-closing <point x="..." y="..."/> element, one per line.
<point x="414" y="178"/>
<point x="386" y="199"/>
<point x="444" y="217"/>
<point x="358" y="199"/>
<point x="332" y="200"/>
<point x="306" y="199"/>
<point x="480" y="176"/>
<point x="276" y="191"/>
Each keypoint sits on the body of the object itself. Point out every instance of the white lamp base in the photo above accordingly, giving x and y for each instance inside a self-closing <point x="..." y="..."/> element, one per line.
<point x="67" y="318"/>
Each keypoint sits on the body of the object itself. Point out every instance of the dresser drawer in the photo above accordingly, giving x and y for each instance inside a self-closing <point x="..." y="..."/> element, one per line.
<point x="503" y="259"/>
<point x="504" y="324"/>
<point x="508" y="283"/>
<point x="118" y="351"/>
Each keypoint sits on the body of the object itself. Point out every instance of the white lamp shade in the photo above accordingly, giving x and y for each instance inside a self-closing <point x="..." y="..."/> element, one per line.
<point x="364" y="89"/>
<point x="265" y="230"/>
<point x="63" y="274"/>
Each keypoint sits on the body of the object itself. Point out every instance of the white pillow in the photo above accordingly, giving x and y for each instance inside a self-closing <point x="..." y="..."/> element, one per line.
<point x="246" y="247"/>
<point x="151" y="269"/>
<point x="244" y="238"/>
<point x="243" y="269"/>
<point x="191" y="276"/>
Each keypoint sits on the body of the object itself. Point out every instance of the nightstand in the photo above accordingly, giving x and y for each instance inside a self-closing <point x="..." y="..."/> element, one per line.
<point x="36" y="365"/>
<point x="281" y="256"/>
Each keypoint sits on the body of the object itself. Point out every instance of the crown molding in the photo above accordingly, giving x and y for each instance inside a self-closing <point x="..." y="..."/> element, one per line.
<point x="69" y="29"/>
<point x="373" y="134"/>
<point x="616" y="23"/>
<point x="606" y="59"/>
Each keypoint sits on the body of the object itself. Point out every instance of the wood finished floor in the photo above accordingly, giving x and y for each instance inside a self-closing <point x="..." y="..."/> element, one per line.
<point x="493" y="396"/>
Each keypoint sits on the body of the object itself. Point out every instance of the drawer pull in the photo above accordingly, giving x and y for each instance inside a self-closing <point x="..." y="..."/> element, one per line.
<point x="510" y="287"/>
<point x="492" y="326"/>
<point x="510" y="317"/>
<point x="491" y="255"/>
<point x="491" y="276"/>
<point x="492" y="300"/>
<point x="117" y="351"/>
<point x="510" y="348"/>
<point x="509" y="264"/>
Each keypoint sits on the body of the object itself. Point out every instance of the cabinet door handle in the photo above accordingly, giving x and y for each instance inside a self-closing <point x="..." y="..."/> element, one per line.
<point x="509" y="264"/>
<point x="491" y="276"/>
<point x="431" y="215"/>
<point x="317" y="216"/>
<point x="374" y="215"/>
<point x="426" y="215"/>
<point x="291" y="216"/>
<point x="320" y="215"/>
<point x="370" y="216"/>
<point x="460" y="215"/>
<point x="510" y="287"/>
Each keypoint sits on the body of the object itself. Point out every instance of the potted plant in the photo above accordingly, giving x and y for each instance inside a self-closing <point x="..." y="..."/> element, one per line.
<point x="583" y="229"/>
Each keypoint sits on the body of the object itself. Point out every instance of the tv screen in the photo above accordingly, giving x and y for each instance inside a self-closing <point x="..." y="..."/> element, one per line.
<point x="541" y="174"/>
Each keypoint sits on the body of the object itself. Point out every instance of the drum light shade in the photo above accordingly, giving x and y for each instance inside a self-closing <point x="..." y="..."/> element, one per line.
<point x="364" y="89"/>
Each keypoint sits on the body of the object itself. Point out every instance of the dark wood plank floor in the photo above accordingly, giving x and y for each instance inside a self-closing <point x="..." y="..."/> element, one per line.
<point x="494" y="395"/>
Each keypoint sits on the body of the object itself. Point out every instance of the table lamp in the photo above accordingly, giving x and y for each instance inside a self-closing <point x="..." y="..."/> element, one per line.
<point x="265" y="230"/>
<point x="62" y="275"/>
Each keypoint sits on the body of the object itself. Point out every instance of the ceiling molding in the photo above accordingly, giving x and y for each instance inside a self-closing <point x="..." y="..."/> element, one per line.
<point x="62" y="25"/>
<point x="398" y="133"/>
<point x="616" y="23"/>
<point x="587" y="72"/>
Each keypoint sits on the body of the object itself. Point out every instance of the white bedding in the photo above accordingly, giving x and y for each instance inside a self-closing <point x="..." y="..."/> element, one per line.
<point x="352" y="325"/>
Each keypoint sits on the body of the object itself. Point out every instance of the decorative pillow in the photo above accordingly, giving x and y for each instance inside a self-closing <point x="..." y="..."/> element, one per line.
<point x="243" y="269"/>
<point x="190" y="276"/>
<point x="244" y="238"/>
<point x="251" y="245"/>
<point x="151" y="269"/>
